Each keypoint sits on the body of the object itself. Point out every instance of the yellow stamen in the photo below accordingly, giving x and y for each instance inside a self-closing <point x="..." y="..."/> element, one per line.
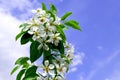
<point x="42" y="20"/>
<point x="36" y="33"/>
<point x="60" y="69"/>
<point x="46" y="68"/>
<point x="51" y="24"/>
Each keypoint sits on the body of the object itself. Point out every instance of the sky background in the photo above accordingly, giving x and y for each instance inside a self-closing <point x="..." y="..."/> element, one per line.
<point x="97" y="47"/>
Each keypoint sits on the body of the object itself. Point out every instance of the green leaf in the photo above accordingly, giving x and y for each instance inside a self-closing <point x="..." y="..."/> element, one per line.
<point x="61" y="47"/>
<point x="44" y="6"/>
<point x="25" y="38"/>
<point x="31" y="73"/>
<point x="14" y="69"/>
<point x="53" y="47"/>
<point x="19" y="35"/>
<point x="66" y="15"/>
<point x="21" y="61"/>
<point x="23" y="25"/>
<point x="26" y="65"/>
<point x="63" y="27"/>
<point x="31" y="78"/>
<point x="35" y="53"/>
<point x="59" y="29"/>
<point x="20" y="74"/>
<point x="47" y="55"/>
<point x="53" y="8"/>
<point x="73" y="24"/>
<point x="51" y="14"/>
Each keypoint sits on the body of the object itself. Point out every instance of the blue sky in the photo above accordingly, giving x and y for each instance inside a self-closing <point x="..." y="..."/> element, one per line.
<point x="97" y="46"/>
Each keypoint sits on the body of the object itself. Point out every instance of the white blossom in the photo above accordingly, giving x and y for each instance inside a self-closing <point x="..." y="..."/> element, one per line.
<point x="43" y="42"/>
<point x="48" y="68"/>
<point x="55" y="38"/>
<point x="51" y="26"/>
<point x="69" y="50"/>
<point x="39" y="12"/>
<point x="58" y="20"/>
<point x="70" y="54"/>
<point x="59" y="78"/>
<point x="61" y="69"/>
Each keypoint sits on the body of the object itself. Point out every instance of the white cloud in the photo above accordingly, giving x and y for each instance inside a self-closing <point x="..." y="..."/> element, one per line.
<point x="77" y="61"/>
<point x="21" y="6"/>
<point x="107" y="79"/>
<point x="61" y="0"/>
<point x="100" y="47"/>
<point x="102" y="64"/>
<point x="13" y="4"/>
<point x="1" y="36"/>
<point x="81" y="77"/>
<point x="73" y="69"/>
<point x="115" y="75"/>
<point x="9" y="49"/>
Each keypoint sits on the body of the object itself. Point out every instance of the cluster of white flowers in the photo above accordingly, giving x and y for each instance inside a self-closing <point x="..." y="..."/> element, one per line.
<point x="42" y="27"/>
<point x="45" y="31"/>
<point x="59" y="66"/>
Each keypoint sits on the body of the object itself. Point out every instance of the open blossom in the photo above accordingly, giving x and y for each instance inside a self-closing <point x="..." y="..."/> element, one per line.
<point x="57" y="21"/>
<point x="34" y="31"/>
<point x="39" y="12"/>
<point x="31" y="23"/>
<point x="58" y="60"/>
<point x="61" y="69"/>
<point x="69" y="50"/>
<point x="70" y="53"/>
<point x="48" y="68"/>
<point x="43" y="20"/>
<point x="55" y="38"/>
<point x="47" y="30"/>
<point x="41" y="16"/>
<point x="51" y="25"/>
<point x="43" y="42"/>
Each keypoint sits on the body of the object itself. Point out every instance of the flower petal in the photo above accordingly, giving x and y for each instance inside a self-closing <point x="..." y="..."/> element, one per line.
<point x="41" y="66"/>
<point x="51" y="66"/>
<point x="46" y="47"/>
<point x="34" y="37"/>
<point x="64" y="69"/>
<point x="51" y="72"/>
<point x="40" y="46"/>
<point x="46" y="62"/>
<point x="59" y="78"/>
